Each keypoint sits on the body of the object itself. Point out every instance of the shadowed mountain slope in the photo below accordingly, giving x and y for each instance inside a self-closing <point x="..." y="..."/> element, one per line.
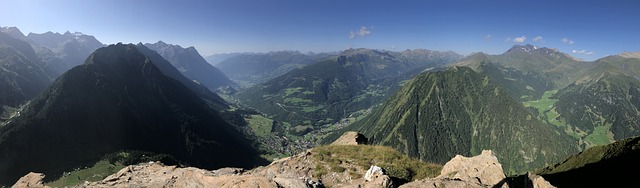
<point x="117" y="100"/>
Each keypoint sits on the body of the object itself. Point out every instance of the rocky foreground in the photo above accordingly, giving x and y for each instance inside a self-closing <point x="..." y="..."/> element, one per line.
<point x="300" y="170"/>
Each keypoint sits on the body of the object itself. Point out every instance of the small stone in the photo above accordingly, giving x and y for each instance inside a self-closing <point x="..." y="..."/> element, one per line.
<point x="373" y="172"/>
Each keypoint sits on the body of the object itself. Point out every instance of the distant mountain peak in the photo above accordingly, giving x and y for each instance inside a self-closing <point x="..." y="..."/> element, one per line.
<point x="55" y="40"/>
<point x="479" y="55"/>
<point x="357" y="50"/>
<point x="13" y="32"/>
<point x="365" y="51"/>
<point x="473" y="60"/>
<point x="112" y="51"/>
<point x="525" y="48"/>
<point x="162" y="43"/>
<point x="530" y="48"/>
<point x="76" y="35"/>
<point x="630" y="55"/>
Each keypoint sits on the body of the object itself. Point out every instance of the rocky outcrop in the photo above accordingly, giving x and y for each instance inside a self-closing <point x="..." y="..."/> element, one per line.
<point x="351" y="138"/>
<point x="302" y="170"/>
<point x="295" y="171"/>
<point x="538" y="181"/>
<point x="483" y="170"/>
<point x="158" y="175"/>
<point x="30" y="180"/>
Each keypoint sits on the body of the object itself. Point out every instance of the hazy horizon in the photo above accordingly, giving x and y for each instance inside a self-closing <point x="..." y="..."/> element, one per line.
<point x="586" y="30"/>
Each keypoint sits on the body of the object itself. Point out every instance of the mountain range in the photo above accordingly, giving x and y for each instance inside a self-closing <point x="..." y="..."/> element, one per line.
<point x="437" y="115"/>
<point x="192" y="65"/>
<point x="63" y="51"/>
<point x="328" y="90"/>
<point x="254" y="68"/>
<point x="593" y="101"/>
<point x="68" y="101"/>
<point x="117" y="100"/>
<point x="605" y="102"/>
<point x="559" y="68"/>
<point x="215" y="59"/>
<point x="511" y="103"/>
<point x="30" y="63"/>
<point x="22" y="74"/>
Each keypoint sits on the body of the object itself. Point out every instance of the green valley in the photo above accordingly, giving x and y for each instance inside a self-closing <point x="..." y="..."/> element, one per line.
<point x="457" y="111"/>
<point x="327" y="91"/>
<point x="545" y="107"/>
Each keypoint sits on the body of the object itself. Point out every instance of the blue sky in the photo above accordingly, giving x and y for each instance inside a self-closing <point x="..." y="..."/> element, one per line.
<point x="585" y="29"/>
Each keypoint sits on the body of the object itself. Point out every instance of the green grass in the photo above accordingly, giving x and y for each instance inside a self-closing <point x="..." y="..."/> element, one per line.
<point x="549" y="115"/>
<point x="97" y="172"/>
<point x="395" y="163"/>
<point x="601" y="135"/>
<point x="543" y="103"/>
<point x="289" y="91"/>
<point x="296" y="100"/>
<point x="312" y="108"/>
<point x="526" y="97"/>
<point x="261" y="126"/>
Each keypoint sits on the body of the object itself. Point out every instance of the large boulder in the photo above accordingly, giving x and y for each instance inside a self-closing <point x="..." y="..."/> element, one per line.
<point x="351" y="138"/>
<point x="437" y="183"/>
<point x="483" y="170"/>
<point x="538" y="181"/>
<point x="30" y="180"/>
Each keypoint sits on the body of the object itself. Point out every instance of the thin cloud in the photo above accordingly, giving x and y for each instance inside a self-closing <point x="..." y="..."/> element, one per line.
<point x="360" y="33"/>
<point x="584" y="52"/>
<point x="520" y="39"/>
<point x="537" y="39"/>
<point x="567" y="41"/>
<point x="488" y="37"/>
